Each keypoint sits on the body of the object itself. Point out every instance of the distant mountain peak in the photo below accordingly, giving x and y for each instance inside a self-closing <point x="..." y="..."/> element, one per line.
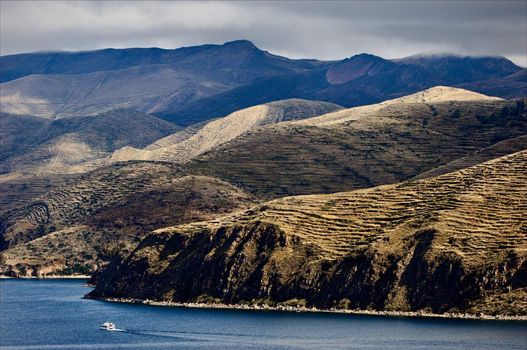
<point x="240" y="44"/>
<point x="355" y="67"/>
<point x="367" y="56"/>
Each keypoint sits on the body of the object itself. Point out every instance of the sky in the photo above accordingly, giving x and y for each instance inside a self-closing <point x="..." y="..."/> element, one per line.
<point x="297" y="29"/>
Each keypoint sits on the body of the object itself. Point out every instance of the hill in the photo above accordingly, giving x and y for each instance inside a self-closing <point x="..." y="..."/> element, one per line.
<point x="188" y="144"/>
<point x="36" y="145"/>
<point x="16" y="189"/>
<point x="73" y="227"/>
<point x="497" y="150"/>
<point x="454" y="243"/>
<point x="356" y="149"/>
<point x="435" y="94"/>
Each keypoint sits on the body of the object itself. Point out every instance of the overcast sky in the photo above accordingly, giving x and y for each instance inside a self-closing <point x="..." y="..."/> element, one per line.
<point x="323" y="30"/>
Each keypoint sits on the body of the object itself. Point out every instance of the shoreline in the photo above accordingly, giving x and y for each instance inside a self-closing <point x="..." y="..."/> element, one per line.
<point x="47" y="277"/>
<point x="420" y="314"/>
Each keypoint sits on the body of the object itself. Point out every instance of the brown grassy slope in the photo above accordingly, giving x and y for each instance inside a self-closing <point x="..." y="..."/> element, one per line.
<point x="451" y="243"/>
<point x="105" y="207"/>
<point x="395" y="143"/>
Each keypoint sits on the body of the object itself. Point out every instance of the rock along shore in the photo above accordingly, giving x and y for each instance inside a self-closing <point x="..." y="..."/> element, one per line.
<point x="265" y="307"/>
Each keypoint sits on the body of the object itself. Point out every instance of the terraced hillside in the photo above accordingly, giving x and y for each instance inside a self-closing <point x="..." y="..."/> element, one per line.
<point x="346" y="150"/>
<point x="19" y="190"/>
<point x="72" y="226"/>
<point x="187" y="144"/>
<point x="457" y="243"/>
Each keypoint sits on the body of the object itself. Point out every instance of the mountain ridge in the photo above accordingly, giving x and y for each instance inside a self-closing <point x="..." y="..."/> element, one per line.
<point x="112" y="58"/>
<point x="190" y="85"/>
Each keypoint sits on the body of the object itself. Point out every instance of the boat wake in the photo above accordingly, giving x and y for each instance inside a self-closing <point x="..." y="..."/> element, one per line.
<point x="197" y="336"/>
<point x="152" y="333"/>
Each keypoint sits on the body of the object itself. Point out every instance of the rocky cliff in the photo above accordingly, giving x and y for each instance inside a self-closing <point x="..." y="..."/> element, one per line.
<point x="456" y="242"/>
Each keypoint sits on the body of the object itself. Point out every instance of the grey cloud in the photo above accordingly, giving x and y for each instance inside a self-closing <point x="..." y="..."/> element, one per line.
<point x="324" y="29"/>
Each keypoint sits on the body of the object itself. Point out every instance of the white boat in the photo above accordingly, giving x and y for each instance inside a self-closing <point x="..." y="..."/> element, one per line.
<point x="108" y="326"/>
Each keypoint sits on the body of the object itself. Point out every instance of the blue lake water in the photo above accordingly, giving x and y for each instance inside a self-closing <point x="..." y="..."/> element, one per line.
<point x="51" y="314"/>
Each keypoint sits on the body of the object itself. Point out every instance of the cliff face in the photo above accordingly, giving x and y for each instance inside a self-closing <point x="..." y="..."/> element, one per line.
<point x="456" y="242"/>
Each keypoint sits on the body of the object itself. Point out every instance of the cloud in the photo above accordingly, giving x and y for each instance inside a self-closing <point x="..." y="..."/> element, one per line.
<point x="324" y="30"/>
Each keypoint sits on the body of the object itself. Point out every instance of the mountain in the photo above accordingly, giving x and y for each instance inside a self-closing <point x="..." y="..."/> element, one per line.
<point x="185" y="145"/>
<point x="194" y="84"/>
<point x="453" y="243"/>
<point x="359" y="80"/>
<point x="37" y="145"/>
<point x="72" y="228"/>
<point x="150" y="80"/>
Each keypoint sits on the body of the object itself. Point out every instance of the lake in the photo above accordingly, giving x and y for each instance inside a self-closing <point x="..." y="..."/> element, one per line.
<point x="51" y="314"/>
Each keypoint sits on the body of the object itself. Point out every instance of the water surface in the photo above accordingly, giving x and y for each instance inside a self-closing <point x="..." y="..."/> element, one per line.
<point x="51" y="314"/>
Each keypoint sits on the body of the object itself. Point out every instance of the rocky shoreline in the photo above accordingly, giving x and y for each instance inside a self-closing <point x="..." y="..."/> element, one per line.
<point x="265" y="307"/>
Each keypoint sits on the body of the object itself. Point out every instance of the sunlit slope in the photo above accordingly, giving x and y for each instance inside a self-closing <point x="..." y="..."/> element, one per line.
<point x="433" y="95"/>
<point x="187" y="144"/>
